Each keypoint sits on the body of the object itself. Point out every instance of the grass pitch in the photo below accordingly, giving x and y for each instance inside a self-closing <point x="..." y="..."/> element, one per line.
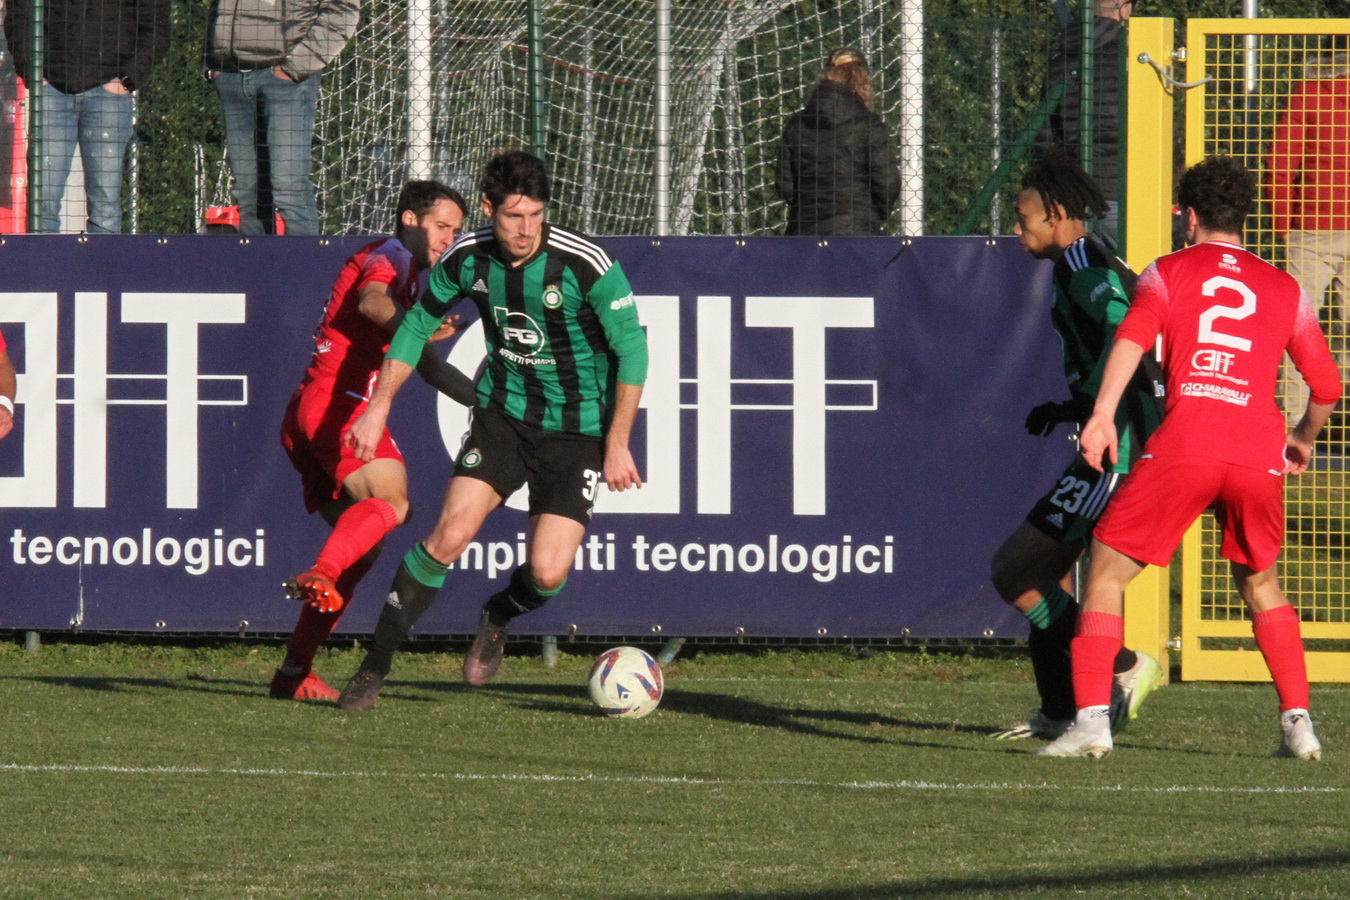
<point x="157" y="772"/>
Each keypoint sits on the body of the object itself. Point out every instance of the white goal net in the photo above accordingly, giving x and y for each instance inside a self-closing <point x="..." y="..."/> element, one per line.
<point x="431" y="88"/>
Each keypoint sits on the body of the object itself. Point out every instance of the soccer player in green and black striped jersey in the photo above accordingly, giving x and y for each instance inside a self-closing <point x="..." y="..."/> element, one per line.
<point x="1032" y="570"/>
<point x="566" y="360"/>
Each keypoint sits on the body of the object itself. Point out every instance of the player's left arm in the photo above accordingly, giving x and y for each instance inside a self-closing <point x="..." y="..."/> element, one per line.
<point x="615" y="306"/>
<point x="621" y="471"/>
<point x="377" y="304"/>
<point x="1308" y="350"/>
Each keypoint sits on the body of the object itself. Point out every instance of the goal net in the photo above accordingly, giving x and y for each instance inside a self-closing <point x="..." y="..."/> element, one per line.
<point x="432" y="88"/>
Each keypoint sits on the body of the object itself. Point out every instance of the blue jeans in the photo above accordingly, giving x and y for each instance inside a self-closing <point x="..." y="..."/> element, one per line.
<point x="99" y="121"/>
<point x="269" y="127"/>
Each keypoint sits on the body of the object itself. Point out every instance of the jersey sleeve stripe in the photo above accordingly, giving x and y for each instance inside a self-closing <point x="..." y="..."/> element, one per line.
<point x="587" y="250"/>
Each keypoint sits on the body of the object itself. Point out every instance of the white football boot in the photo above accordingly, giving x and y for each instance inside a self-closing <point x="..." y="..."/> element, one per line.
<point x="1090" y="735"/>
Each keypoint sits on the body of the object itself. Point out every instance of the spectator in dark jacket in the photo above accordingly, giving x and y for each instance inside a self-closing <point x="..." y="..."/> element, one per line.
<point x="95" y="53"/>
<point x="836" y="167"/>
<point x="265" y="59"/>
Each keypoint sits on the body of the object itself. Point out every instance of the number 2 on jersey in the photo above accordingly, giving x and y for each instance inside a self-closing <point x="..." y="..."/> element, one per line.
<point x="1208" y="333"/>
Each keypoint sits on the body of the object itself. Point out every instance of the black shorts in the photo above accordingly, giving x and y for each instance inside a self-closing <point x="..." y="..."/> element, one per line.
<point x="1070" y="511"/>
<point x="564" y="472"/>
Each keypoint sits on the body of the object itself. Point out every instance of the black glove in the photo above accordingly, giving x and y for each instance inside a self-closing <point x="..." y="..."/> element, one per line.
<point x="446" y="378"/>
<point x="1043" y="419"/>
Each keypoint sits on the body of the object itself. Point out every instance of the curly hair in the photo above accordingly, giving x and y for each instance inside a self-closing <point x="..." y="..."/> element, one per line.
<point x="1061" y="182"/>
<point x="1221" y="191"/>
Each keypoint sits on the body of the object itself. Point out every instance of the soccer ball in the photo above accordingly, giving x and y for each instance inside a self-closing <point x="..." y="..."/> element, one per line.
<point x="625" y="682"/>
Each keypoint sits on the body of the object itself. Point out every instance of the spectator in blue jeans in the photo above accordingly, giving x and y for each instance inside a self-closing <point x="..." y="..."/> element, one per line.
<point x="264" y="59"/>
<point x="94" y="54"/>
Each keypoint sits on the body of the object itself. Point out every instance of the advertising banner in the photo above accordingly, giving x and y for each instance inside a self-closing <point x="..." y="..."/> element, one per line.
<point x="831" y="440"/>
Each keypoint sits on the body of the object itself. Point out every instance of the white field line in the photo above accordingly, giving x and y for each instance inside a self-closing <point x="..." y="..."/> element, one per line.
<point x="905" y="785"/>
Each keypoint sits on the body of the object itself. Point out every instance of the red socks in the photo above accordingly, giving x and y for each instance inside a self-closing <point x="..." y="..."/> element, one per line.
<point x="345" y="558"/>
<point x="1100" y="637"/>
<point x="1280" y="642"/>
<point x="358" y="529"/>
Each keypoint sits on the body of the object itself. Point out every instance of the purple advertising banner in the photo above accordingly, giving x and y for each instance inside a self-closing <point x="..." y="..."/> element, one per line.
<point x="831" y="439"/>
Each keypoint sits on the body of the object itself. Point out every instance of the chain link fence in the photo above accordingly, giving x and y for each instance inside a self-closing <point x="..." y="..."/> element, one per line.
<point x="433" y="89"/>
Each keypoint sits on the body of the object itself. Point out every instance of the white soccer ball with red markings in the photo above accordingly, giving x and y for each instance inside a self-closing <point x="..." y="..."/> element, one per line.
<point x="625" y="682"/>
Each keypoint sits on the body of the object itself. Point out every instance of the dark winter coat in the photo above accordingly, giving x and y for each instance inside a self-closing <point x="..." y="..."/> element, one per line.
<point x="836" y="167"/>
<point x="92" y="42"/>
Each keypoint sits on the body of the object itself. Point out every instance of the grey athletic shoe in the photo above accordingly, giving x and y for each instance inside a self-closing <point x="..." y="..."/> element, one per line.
<point x="1089" y="736"/>
<point x="361" y="692"/>
<point x="1037" y="725"/>
<point x="485" y="654"/>
<point x="1299" y="741"/>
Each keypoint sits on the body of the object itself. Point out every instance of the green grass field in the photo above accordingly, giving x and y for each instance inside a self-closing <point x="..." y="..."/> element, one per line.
<point x="161" y="772"/>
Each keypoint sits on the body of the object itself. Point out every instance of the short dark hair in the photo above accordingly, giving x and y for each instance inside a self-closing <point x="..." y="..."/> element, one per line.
<point x="1221" y="191"/>
<point x="420" y="197"/>
<point x="1062" y="182"/>
<point x="514" y="172"/>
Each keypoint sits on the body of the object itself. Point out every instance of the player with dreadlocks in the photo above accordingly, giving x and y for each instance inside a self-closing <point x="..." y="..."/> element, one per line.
<point x="1032" y="570"/>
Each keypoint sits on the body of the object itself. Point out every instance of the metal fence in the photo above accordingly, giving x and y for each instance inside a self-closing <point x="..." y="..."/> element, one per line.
<point x="648" y="125"/>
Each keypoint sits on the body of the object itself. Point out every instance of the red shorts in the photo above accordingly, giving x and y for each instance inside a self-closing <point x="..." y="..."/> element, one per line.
<point x="1161" y="498"/>
<point x="311" y="434"/>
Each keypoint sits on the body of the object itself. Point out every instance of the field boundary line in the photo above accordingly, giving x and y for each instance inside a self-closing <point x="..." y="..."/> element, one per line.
<point x="903" y="785"/>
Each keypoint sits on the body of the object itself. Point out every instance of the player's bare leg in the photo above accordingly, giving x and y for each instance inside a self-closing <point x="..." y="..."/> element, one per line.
<point x="420" y="576"/>
<point x="552" y="545"/>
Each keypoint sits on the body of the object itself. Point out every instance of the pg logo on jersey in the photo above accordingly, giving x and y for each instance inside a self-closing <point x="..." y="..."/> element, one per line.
<point x="522" y="338"/>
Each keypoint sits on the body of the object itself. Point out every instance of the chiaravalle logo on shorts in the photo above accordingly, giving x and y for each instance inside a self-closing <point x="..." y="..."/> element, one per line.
<point x="471" y="459"/>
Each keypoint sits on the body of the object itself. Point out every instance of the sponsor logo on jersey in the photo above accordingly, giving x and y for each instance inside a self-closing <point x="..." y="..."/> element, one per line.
<point x="1215" y="392"/>
<point x="471" y="459"/>
<point x="521" y="335"/>
<point x="479" y="287"/>
<point x="1229" y="261"/>
<point x="622" y="302"/>
<point x="553" y="296"/>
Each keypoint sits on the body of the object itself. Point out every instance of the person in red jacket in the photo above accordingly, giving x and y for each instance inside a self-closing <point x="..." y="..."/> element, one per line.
<point x="1226" y="317"/>
<point x="1309" y="190"/>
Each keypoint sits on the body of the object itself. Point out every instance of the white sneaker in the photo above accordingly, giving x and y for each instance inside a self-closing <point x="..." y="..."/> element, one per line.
<point x="1299" y="740"/>
<point x="1090" y="736"/>
<point x="1037" y="725"/>
<point x="1131" y="688"/>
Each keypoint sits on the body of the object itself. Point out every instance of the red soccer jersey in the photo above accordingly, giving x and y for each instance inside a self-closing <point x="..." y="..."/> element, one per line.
<point x="2" y="342"/>
<point x="348" y="347"/>
<point x="1226" y="318"/>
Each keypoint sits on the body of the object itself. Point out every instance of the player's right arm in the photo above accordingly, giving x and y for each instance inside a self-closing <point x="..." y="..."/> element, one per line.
<point x="405" y="351"/>
<point x="1100" y="440"/>
<point x="8" y="386"/>
<point x="364" y="435"/>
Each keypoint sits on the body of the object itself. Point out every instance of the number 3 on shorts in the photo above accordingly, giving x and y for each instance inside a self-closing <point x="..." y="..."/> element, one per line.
<point x="592" y="484"/>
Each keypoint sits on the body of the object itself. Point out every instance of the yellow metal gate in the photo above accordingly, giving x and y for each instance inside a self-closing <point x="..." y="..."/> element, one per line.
<point x="1251" y="69"/>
